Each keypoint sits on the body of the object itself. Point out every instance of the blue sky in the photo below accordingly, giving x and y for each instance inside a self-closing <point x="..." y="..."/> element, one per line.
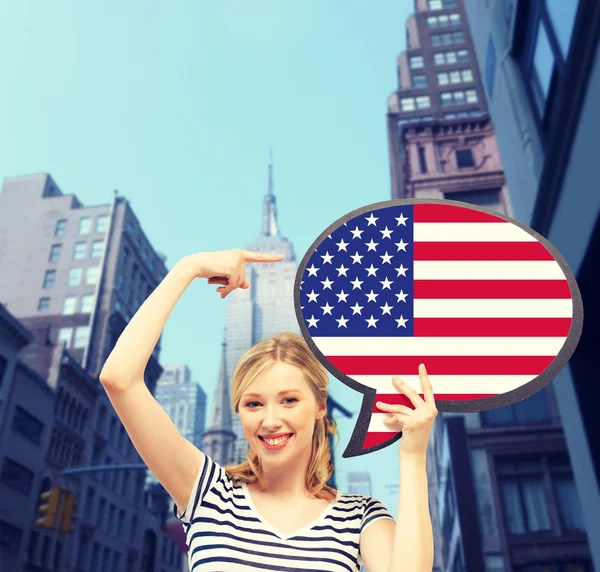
<point x="177" y="104"/>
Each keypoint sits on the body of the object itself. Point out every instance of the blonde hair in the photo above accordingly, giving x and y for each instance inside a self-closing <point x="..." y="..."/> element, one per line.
<point x="290" y="348"/>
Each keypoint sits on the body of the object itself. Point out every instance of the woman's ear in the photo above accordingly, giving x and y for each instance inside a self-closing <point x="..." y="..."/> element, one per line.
<point x="322" y="410"/>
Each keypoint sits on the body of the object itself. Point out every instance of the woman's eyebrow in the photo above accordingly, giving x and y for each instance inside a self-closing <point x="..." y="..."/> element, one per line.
<point x="280" y="393"/>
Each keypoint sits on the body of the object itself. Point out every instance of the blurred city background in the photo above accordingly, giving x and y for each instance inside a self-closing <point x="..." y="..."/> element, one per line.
<point x="135" y="134"/>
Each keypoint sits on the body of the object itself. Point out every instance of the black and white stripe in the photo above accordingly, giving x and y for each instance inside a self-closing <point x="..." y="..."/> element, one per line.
<point x="224" y="531"/>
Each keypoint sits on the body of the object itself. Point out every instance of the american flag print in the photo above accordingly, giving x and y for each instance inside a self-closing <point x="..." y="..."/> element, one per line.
<point x="478" y="299"/>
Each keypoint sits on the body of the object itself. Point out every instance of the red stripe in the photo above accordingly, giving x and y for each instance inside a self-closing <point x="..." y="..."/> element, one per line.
<point x="498" y="289"/>
<point x="481" y="251"/>
<point x="495" y="327"/>
<point x="401" y="399"/>
<point x="374" y="438"/>
<point x="441" y="365"/>
<point x="434" y="212"/>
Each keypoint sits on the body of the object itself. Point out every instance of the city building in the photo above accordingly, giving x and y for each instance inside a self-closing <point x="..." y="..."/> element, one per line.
<point x="184" y="402"/>
<point x="265" y="309"/>
<point x="542" y="85"/>
<point x="489" y="473"/>
<point x="70" y="279"/>
<point x="359" y="483"/>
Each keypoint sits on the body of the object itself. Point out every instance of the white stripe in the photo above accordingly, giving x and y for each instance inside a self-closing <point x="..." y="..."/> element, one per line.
<point x="470" y="232"/>
<point x="448" y="383"/>
<point x="442" y="346"/>
<point x="484" y="270"/>
<point x="376" y="423"/>
<point x="492" y="308"/>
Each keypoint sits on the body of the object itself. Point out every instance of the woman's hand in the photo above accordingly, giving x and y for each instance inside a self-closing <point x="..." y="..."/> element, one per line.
<point x="416" y="423"/>
<point x="227" y="267"/>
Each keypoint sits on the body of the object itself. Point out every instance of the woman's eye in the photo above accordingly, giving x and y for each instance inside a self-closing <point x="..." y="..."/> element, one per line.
<point x="250" y="403"/>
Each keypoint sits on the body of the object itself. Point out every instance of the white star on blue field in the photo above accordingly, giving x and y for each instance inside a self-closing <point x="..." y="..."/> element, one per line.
<point x="358" y="281"/>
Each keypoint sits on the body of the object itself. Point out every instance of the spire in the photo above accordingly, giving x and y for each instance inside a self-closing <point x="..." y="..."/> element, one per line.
<point x="269" y="222"/>
<point x="220" y="418"/>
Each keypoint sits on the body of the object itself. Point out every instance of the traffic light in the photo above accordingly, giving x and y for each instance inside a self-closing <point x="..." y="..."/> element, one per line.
<point x="48" y="507"/>
<point x="68" y="513"/>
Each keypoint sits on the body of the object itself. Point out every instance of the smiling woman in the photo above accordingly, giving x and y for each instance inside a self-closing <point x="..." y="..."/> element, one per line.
<point x="275" y="510"/>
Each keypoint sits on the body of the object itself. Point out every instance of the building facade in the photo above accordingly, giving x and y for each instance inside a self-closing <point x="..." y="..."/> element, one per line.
<point x="542" y="84"/>
<point x="72" y="276"/>
<point x="501" y="474"/>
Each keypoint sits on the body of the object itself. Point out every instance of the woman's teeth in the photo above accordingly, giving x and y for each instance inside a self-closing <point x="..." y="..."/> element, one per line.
<point x="277" y="441"/>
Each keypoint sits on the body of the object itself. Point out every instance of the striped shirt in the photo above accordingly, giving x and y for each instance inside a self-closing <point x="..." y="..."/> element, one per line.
<point x="225" y="532"/>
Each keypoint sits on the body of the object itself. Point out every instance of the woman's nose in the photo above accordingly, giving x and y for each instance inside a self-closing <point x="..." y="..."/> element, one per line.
<point x="271" y="418"/>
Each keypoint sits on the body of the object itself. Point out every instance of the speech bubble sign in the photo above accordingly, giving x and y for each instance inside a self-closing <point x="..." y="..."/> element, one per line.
<point x="487" y="304"/>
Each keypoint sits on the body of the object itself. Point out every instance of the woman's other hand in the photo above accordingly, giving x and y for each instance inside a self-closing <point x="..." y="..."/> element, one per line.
<point x="416" y="423"/>
<point x="227" y="267"/>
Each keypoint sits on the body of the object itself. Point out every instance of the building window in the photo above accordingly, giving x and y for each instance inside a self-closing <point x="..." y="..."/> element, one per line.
<point x="423" y="102"/>
<point x="462" y="56"/>
<point x="54" y="252"/>
<point x="533" y="409"/>
<point x="407" y="104"/>
<point x="69" y="305"/>
<point x="422" y="160"/>
<point x="525" y="500"/>
<point x="49" y="278"/>
<point x="79" y="250"/>
<point x="64" y="335"/>
<point x="447" y="38"/>
<point x="101" y="223"/>
<point x="416" y="62"/>
<point x="458" y="76"/>
<point x="59" y="229"/>
<point x="10" y="538"/>
<point x="91" y="275"/>
<point x="562" y="17"/>
<point x="97" y="247"/>
<point x="464" y="158"/>
<point x="43" y="304"/>
<point x="74" y="277"/>
<point x="459" y="97"/>
<point x="85" y="225"/>
<point x="419" y="81"/>
<point x="466" y="75"/>
<point x="87" y="303"/>
<point x="439" y="4"/>
<point x="82" y="335"/>
<point x="492" y="199"/>
<point x="443" y="21"/>
<point x="16" y="476"/>
<point x="27" y="425"/>
<point x="548" y="36"/>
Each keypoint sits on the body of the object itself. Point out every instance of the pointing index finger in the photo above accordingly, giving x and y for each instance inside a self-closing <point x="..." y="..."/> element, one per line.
<point x="251" y="256"/>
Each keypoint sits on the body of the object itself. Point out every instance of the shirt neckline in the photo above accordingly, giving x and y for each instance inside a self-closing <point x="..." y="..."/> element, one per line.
<point x="277" y="532"/>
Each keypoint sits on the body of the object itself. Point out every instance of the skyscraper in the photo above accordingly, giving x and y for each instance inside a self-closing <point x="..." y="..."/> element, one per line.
<point x="264" y="309"/>
<point x="498" y="480"/>
<point x="542" y="82"/>
<point x="441" y="139"/>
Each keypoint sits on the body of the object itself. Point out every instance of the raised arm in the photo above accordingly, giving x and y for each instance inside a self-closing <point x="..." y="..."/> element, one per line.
<point x="172" y="459"/>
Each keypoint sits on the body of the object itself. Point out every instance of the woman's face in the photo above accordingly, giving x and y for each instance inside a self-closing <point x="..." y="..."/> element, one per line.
<point x="279" y="401"/>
